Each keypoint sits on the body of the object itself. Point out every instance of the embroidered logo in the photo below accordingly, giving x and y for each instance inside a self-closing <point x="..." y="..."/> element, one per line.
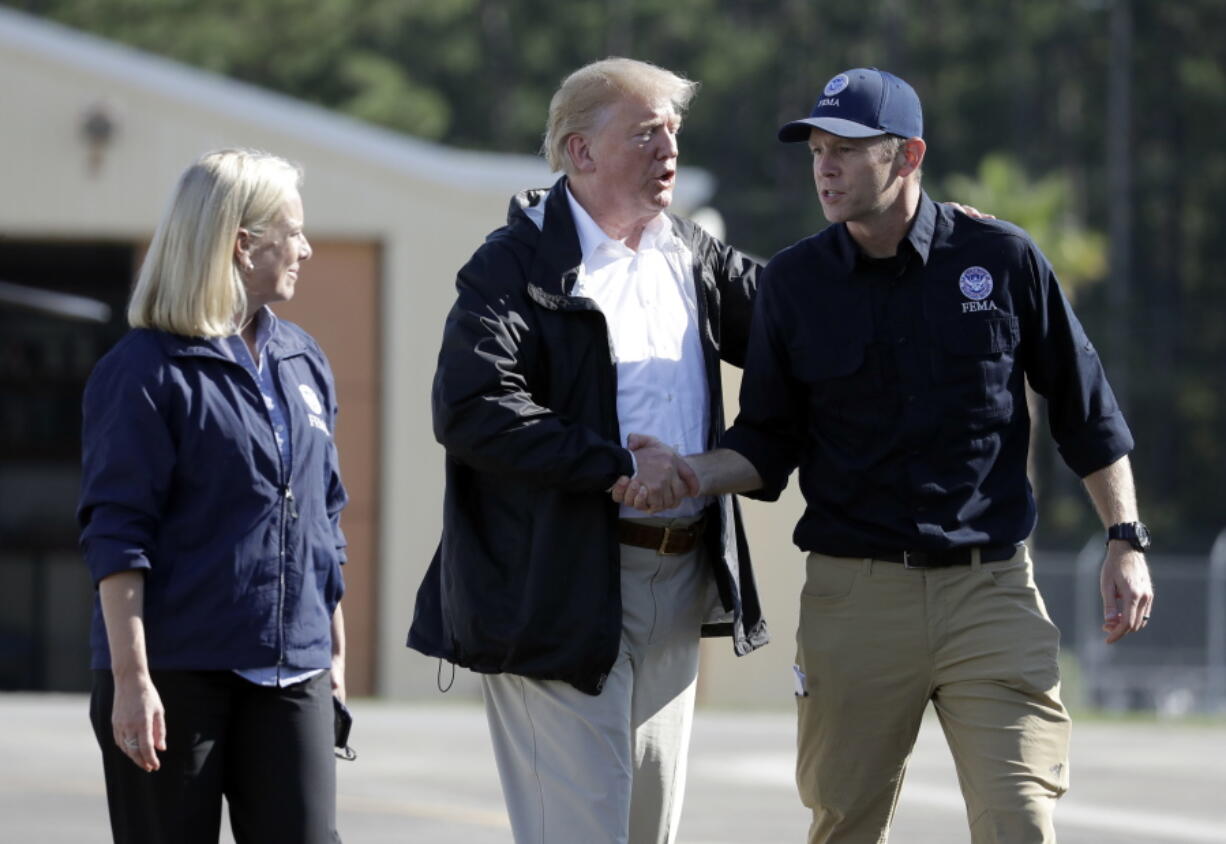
<point x="835" y="85"/>
<point x="310" y="399"/>
<point x="975" y="283"/>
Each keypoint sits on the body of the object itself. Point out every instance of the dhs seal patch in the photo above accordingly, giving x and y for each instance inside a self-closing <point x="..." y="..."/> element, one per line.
<point x="310" y="399"/>
<point x="975" y="283"/>
<point x="835" y="85"/>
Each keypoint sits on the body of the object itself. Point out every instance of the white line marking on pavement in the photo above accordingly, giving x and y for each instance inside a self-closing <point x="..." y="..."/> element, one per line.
<point x="773" y="770"/>
<point x="1161" y="827"/>
<point x="441" y="812"/>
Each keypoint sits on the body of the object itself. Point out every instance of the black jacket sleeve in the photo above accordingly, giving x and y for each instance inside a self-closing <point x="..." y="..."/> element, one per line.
<point x="735" y="277"/>
<point x="485" y="414"/>
<point x="738" y="283"/>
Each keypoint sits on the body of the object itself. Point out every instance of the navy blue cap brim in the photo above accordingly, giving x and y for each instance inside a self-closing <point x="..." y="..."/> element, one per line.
<point x="798" y="130"/>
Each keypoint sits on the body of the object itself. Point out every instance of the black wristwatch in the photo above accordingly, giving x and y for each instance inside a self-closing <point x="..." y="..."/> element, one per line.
<point x="1135" y="534"/>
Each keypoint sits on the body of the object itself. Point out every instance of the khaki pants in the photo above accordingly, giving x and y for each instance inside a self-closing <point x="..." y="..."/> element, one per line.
<point x="609" y="768"/>
<point x="876" y="643"/>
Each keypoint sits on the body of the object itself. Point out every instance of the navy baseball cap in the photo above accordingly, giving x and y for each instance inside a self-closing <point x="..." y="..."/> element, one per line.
<point x="862" y="103"/>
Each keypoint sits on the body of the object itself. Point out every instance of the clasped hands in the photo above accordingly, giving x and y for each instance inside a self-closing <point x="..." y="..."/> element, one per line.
<point x="662" y="481"/>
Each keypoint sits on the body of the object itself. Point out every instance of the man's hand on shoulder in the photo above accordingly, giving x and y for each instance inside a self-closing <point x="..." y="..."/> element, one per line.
<point x="970" y="211"/>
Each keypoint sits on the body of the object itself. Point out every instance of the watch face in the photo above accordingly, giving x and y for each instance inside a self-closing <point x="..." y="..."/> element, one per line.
<point x="1142" y="537"/>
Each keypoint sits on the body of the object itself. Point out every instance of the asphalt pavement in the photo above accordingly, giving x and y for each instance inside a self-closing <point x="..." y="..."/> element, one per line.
<point x="425" y="773"/>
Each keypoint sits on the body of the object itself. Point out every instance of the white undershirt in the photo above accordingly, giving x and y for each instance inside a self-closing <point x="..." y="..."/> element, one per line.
<point x="648" y="300"/>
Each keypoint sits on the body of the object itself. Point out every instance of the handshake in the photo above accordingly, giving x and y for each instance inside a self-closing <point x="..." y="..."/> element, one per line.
<point x="662" y="481"/>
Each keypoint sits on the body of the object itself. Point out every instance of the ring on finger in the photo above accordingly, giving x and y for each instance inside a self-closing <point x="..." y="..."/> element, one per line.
<point x="131" y="743"/>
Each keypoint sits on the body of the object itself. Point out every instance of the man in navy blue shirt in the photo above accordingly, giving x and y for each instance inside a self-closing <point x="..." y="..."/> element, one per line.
<point x="888" y="360"/>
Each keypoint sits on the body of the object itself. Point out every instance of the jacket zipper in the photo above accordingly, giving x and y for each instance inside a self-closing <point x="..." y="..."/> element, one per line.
<point x="611" y="398"/>
<point x="289" y="510"/>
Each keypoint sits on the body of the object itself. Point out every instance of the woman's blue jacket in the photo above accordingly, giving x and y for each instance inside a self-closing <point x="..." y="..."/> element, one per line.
<point x="182" y="477"/>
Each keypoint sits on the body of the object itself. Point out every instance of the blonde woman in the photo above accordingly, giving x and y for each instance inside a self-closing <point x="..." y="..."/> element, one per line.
<point x="209" y="511"/>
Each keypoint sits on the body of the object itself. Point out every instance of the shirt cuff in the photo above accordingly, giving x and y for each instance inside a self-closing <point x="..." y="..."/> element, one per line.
<point x="759" y="451"/>
<point x="105" y="557"/>
<point x="1097" y="446"/>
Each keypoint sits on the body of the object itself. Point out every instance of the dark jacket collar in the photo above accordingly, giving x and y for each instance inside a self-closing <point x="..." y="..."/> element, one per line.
<point x="557" y="255"/>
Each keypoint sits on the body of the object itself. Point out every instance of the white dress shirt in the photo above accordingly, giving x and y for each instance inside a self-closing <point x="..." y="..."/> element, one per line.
<point x="649" y="303"/>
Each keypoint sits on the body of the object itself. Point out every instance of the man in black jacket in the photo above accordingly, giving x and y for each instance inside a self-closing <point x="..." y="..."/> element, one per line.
<point x="592" y="312"/>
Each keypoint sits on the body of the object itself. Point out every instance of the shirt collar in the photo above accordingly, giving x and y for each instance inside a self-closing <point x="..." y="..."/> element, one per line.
<point x="924" y="227"/>
<point x="656" y="235"/>
<point x="919" y="236"/>
<point x="265" y="327"/>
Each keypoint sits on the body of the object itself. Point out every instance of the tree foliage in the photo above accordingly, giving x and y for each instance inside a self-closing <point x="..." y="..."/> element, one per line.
<point x="1016" y="98"/>
<point x="1044" y="208"/>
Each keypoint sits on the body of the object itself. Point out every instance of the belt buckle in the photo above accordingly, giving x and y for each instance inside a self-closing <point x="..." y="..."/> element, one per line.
<point x="663" y="549"/>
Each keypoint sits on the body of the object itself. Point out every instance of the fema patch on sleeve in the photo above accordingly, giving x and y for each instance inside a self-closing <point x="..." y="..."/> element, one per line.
<point x="835" y="85"/>
<point x="975" y="283"/>
<point x="310" y="399"/>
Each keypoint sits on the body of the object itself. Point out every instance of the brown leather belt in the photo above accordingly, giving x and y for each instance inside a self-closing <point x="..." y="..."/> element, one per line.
<point x="663" y="540"/>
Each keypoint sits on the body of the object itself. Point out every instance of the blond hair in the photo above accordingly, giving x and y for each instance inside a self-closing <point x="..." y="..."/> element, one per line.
<point x="189" y="282"/>
<point x="580" y="105"/>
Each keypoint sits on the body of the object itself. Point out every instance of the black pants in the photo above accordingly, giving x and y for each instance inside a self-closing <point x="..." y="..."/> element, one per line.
<point x="268" y="750"/>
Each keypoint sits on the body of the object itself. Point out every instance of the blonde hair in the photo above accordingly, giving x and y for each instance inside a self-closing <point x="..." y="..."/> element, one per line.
<point x="580" y="105"/>
<point x="189" y="282"/>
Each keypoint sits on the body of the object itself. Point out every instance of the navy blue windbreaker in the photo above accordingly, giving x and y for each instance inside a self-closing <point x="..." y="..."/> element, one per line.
<point x="182" y="477"/>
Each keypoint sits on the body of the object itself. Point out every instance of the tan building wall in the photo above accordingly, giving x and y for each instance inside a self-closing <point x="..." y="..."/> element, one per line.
<point x="338" y="297"/>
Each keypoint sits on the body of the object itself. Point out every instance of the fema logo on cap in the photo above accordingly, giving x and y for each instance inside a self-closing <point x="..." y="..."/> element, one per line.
<point x="975" y="283"/>
<point x="835" y="85"/>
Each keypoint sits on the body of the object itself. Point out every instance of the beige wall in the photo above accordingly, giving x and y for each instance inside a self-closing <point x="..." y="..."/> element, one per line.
<point x="337" y="301"/>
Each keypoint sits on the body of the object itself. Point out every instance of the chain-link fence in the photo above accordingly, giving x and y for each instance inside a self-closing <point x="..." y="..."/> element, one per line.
<point x="1176" y="666"/>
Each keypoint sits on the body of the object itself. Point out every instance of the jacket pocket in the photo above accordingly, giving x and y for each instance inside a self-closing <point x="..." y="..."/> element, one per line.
<point x="973" y="362"/>
<point x="828" y="581"/>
